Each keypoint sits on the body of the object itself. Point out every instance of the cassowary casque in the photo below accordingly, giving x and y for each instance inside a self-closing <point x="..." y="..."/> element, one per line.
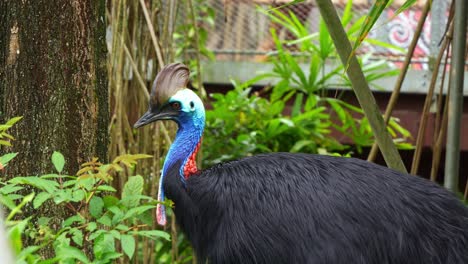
<point x="297" y="208"/>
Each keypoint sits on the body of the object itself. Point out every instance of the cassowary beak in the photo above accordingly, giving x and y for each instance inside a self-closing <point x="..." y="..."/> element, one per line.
<point x="151" y="116"/>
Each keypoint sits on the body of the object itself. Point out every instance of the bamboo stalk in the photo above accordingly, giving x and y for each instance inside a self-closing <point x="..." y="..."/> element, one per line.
<point x="455" y="105"/>
<point x="152" y="33"/>
<point x="427" y="103"/>
<point x="197" y="48"/>
<point x="440" y="138"/>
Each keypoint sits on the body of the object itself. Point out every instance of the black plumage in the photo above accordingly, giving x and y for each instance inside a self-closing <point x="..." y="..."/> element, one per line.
<point x="298" y="208"/>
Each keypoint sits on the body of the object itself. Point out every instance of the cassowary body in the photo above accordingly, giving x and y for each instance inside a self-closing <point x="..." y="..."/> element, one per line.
<point x="299" y="208"/>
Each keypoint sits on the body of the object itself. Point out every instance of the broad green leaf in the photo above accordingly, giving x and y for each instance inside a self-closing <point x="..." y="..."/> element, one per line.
<point x="105" y="243"/>
<point x="43" y="184"/>
<point x="106" y="188"/>
<point x="138" y="210"/>
<point x="96" y="205"/>
<point x="10" y="188"/>
<point x="110" y="201"/>
<point x="153" y="234"/>
<point x="131" y="191"/>
<point x="73" y="219"/>
<point x="91" y="226"/>
<point x="105" y="220"/>
<point x="65" y="252"/>
<point x="109" y="257"/>
<point x="58" y="160"/>
<point x="78" y="195"/>
<point x="128" y="245"/>
<point x="77" y="236"/>
<point x="15" y="235"/>
<point x="7" y="201"/>
<point x="40" y="199"/>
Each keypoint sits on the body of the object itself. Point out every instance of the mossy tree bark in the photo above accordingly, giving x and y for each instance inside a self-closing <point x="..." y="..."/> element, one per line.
<point x="53" y="73"/>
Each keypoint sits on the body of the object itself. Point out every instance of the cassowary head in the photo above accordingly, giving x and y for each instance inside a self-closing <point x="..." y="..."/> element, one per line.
<point x="172" y="100"/>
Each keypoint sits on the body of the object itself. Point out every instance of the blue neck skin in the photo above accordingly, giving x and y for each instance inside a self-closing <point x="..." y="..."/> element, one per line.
<point x="187" y="138"/>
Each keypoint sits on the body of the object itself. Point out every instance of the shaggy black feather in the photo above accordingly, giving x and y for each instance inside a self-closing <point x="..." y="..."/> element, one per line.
<point x="300" y="208"/>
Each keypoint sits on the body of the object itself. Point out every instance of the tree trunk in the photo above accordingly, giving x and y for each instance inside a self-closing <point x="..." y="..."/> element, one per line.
<point x="53" y="73"/>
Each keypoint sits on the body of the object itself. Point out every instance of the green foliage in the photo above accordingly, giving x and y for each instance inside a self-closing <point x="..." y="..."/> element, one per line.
<point x="5" y="138"/>
<point x="374" y="14"/>
<point x="103" y="225"/>
<point x="253" y="124"/>
<point x="295" y="115"/>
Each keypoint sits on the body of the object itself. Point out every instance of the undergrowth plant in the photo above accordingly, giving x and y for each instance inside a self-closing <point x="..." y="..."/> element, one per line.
<point x="104" y="226"/>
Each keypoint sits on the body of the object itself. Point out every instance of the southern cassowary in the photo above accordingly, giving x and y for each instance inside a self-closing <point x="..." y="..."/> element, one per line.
<point x="298" y="208"/>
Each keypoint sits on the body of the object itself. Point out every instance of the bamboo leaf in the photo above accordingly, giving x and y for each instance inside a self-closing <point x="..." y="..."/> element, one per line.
<point x="374" y="14"/>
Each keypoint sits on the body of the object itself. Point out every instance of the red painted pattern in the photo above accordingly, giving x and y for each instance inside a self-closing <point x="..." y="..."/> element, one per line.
<point x="191" y="165"/>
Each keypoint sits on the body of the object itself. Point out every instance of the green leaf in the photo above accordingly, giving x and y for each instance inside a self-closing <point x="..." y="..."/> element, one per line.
<point x="15" y="235"/>
<point x="72" y="219"/>
<point x="6" y="158"/>
<point x="105" y="220"/>
<point x="118" y="214"/>
<point x="103" y="244"/>
<point x="153" y="234"/>
<point x="65" y="252"/>
<point x="5" y="143"/>
<point x="13" y="120"/>
<point x="372" y="17"/>
<point x="128" y="245"/>
<point x="7" y="201"/>
<point x="406" y="5"/>
<point x="58" y="160"/>
<point x="110" y="201"/>
<point x="91" y="226"/>
<point x="106" y="188"/>
<point x="78" y="195"/>
<point x="131" y="191"/>
<point x="300" y="144"/>
<point x="96" y="205"/>
<point x="77" y="237"/>
<point x="43" y="221"/>
<point x="137" y="211"/>
<point x="40" y="199"/>
<point x="43" y="184"/>
<point x="10" y="188"/>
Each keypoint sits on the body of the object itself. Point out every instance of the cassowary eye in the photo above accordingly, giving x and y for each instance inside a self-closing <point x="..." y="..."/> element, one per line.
<point x="175" y="105"/>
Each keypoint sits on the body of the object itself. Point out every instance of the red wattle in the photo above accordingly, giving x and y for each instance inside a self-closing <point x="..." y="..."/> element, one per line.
<point x="191" y="165"/>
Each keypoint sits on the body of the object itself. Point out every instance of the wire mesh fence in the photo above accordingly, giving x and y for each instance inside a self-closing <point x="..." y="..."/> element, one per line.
<point x="241" y="32"/>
